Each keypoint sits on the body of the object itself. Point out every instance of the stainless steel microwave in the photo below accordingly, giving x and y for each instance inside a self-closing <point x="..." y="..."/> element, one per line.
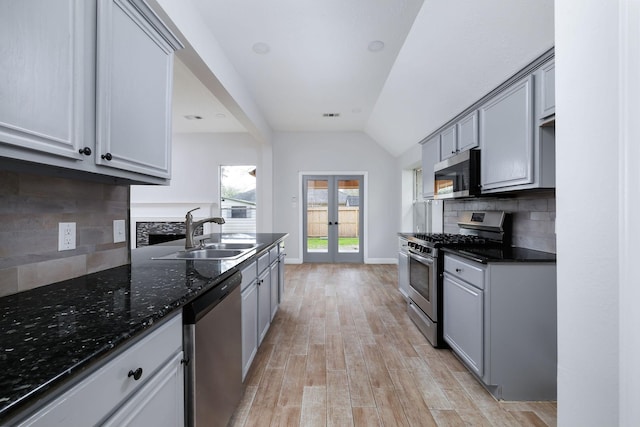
<point x="458" y="176"/>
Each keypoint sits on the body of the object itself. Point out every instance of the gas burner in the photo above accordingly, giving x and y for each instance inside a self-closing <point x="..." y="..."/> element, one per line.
<point x="451" y="239"/>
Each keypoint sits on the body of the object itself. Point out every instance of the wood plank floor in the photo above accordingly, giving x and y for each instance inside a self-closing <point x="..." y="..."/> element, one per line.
<point x="341" y="351"/>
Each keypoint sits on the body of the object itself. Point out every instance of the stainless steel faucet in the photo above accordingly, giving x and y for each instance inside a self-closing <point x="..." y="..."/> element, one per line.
<point x="191" y="226"/>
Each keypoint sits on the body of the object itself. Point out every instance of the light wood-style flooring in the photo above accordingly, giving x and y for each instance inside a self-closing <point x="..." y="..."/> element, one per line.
<point x="341" y="351"/>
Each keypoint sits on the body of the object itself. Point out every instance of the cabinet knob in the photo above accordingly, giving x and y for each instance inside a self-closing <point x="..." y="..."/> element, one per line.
<point x="107" y="156"/>
<point x="458" y="270"/>
<point x="86" y="151"/>
<point x="135" y="374"/>
<point x="330" y="223"/>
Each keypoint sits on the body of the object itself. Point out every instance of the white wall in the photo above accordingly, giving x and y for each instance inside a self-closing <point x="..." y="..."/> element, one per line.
<point x="598" y="197"/>
<point x="336" y="152"/>
<point x="195" y="178"/>
<point x="406" y="163"/>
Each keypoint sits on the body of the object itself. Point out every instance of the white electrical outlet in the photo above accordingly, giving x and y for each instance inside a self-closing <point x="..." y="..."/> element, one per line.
<point x="66" y="236"/>
<point x="119" y="231"/>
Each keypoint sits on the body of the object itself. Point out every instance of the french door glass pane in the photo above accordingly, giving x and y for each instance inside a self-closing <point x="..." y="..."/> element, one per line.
<point x="348" y="215"/>
<point x="318" y="215"/>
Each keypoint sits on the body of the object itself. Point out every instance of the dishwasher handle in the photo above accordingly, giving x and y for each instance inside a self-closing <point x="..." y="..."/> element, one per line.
<point x="199" y="307"/>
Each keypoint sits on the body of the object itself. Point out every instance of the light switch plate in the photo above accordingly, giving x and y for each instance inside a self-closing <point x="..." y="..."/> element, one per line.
<point x="66" y="236"/>
<point x="119" y="231"/>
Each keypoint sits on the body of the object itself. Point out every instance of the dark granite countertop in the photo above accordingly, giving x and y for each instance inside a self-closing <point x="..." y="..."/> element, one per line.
<point x="502" y="255"/>
<point x="52" y="333"/>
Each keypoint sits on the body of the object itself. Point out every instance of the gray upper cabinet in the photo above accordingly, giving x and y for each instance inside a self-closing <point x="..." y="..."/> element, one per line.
<point x="506" y="137"/>
<point x="46" y="64"/>
<point x="430" y="156"/>
<point x="546" y="93"/>
<point x="459" y="137"/>
<point x="134" y="80"/>
<point x="87" y="87"/>
<point x="468" y="132"/>
<point x="448" y="142"/>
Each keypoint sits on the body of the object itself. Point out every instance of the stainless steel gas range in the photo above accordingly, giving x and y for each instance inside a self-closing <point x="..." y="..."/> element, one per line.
<point x="477" y="229"/>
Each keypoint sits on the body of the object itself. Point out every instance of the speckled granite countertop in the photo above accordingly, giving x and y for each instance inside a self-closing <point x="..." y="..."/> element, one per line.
<point x="49" y="334"/>
<point x="502" y="255"/>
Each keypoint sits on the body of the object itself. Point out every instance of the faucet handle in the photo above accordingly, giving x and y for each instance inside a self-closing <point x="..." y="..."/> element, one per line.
<point x="194" y="209"/>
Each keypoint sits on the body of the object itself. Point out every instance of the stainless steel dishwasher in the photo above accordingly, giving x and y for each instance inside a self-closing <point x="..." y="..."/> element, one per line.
<point x="213" y="344"/>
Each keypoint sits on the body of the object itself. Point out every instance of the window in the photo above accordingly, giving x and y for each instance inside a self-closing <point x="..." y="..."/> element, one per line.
<point x="417" y="184"/>
<point x="239" y="212"/>
<point x="238" y="198"/>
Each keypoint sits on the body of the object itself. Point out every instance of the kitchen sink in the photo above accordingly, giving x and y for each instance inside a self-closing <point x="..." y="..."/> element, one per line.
<point x="229" y="246"/>
<point x="212" y="251"/>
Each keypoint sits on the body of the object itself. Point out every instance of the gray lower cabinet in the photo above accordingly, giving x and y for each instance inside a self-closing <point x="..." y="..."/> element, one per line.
<point x="249" y="325"/>
<point x="463" y="317"/>
<point x="262" y="287"/>
<point x="109" y="395"/>
<point x="281" y="275"/>
<point x="160" y="402"/>
<point x="264" y="304"/>
<point x="88" y="87"/>
<point x="500" y="319"/>
<point x="430" y="156"/>
<point x="506" y="138"/>
<point x="273" y="279"/>
<point x="403" y="267"/>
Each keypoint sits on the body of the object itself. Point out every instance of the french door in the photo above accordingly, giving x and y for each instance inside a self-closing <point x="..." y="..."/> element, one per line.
<point x="333" y="218"/>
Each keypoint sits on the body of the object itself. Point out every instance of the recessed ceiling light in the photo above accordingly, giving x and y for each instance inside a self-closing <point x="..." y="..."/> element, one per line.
<point x="261" y="48"/>
<point x="221" y="115"/>
<point x="376" y="46"/>
<point x="193" y="117"/>
<point x="331" y="115"/>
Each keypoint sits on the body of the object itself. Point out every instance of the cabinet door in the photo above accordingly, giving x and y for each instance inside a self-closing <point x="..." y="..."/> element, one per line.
<point x="160" y="402"/>
<point x="448" y="143"/>
<point x="430" y="156"/>
<point x="547" y="90"/>
<point x="47" y="52"/>
<point x="264" y="304"/>
<point x="506" y="137"/>
<point x="463" y="321"/>
<point x="403" y="273"/>
<point x="134" y="84"/>
<point x="274" y="289"/>
<point x="468" y="132"/>
<point x="249" y="326"/>
<point x="281" y="277"/>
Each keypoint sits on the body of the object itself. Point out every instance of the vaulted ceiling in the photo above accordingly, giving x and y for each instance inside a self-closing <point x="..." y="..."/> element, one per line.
<point x="396" y="70"/>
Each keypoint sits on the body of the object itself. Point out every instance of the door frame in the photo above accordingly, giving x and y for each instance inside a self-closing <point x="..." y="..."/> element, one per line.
<point x="365" y="207"/>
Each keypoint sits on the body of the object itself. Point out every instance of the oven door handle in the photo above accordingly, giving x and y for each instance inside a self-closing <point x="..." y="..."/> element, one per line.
<point x="421" y="258"/>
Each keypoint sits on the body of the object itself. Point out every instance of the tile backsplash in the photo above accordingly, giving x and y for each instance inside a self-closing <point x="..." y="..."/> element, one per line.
<point x="31" y="206"/>
<point x="533" y="217"/>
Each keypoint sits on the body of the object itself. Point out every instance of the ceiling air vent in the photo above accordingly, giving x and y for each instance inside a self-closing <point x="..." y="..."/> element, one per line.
<point x="331" y="115"/>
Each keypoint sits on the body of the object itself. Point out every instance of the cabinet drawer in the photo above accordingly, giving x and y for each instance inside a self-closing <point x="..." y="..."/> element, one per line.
<point x="249" y="275"/>
<point x="263" y="262"/>
<point x="273" y="254"/>
<point x="111" y="381"/>
<point x="464" y="270"/>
